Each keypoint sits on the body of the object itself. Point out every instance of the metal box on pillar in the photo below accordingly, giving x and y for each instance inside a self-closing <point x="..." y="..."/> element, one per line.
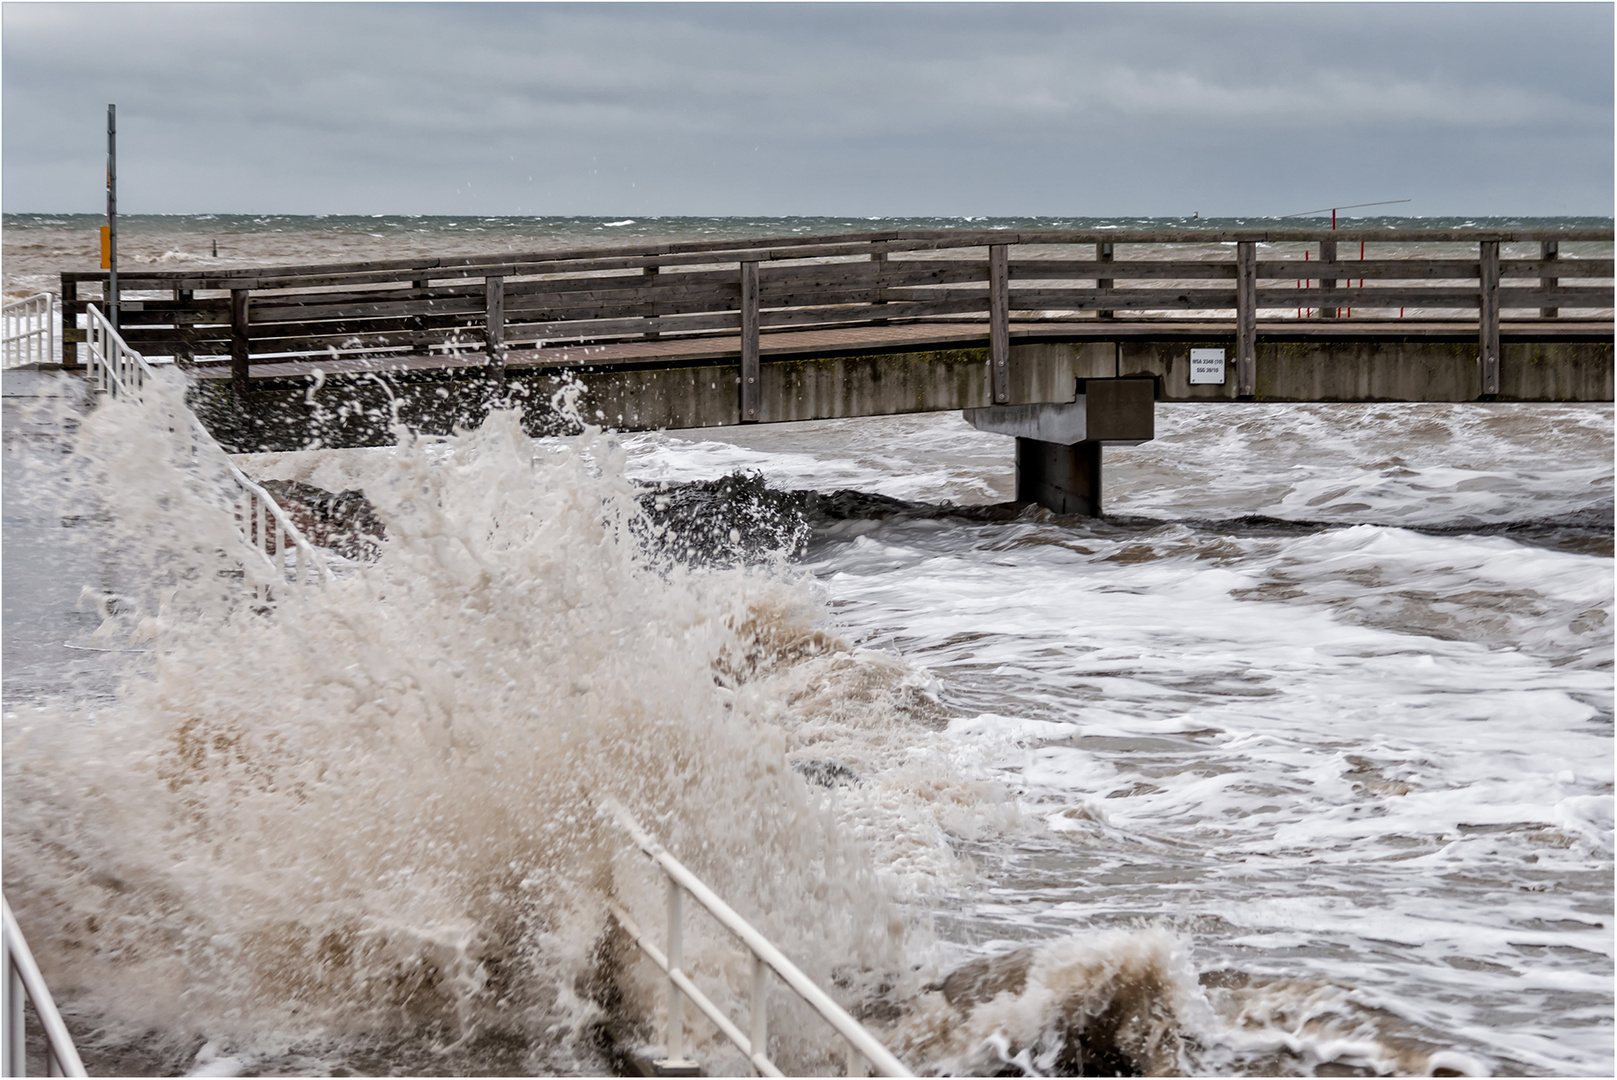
<point x="1058" y="445"/>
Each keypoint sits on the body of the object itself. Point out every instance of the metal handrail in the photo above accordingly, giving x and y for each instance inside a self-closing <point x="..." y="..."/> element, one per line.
<point x="116" y="369"/>
<point x="30" y="331"/>
<point x="863" y="1047"/>
<point x="25" y="983"/>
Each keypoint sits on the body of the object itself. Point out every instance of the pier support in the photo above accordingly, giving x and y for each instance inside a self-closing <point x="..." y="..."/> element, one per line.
<point x="1058" y="445"/>
<point x="1062" y="479"/>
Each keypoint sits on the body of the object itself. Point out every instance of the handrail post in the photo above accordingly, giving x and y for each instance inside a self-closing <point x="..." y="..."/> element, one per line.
<point x="759" y="1034"/>
<point x="1104" y="252"/>
<point x="240" y="301"/>
<point x="16" y="1027"/>
<point x="25" y="983"/>
<point x="676" y="963"/>
<point x="751" y="390"/>
<point x="1488" y="317"/>
<point x="678" y="876"/>
<point x="1327" y="254"/>
<point x="1246" y="319"/>
<point x="1549" y="251"/>
<point x="999" y="322"/>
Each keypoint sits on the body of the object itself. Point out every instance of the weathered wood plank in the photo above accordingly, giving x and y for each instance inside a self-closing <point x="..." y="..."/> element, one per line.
<point x="1563" y="296"/>
<point x="1092" y="269"/>
<point x="1420" y="269"/>
<point x="1163" y="299"/>
<point x="1445" y="297"/>
<point x="1463" y="296"/>
<point x="633" y="326"/>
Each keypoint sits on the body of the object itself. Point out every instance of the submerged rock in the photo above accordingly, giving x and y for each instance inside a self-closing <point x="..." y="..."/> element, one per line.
<point x="735" y="519"/>
<point x="825" y="773"/>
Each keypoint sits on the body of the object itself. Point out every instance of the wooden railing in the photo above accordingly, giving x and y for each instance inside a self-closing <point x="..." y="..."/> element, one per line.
<point x="493" y="304"/>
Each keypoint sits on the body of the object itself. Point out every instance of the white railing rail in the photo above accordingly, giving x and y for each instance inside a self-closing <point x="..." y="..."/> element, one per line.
<point x="24" y="983"/>
<point x="116" y="369"/>
<point x="863" y="1047"/>
<point x="30" y="331"/>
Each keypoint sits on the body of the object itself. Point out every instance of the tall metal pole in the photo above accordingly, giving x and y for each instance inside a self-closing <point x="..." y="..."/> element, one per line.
<point x="112" y="213"/>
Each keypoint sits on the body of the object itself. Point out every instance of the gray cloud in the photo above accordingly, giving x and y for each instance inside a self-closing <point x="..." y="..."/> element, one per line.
<point x="822" y="108"/>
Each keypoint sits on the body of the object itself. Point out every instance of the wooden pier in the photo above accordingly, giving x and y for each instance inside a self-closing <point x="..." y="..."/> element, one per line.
<point x="726" y="332"/>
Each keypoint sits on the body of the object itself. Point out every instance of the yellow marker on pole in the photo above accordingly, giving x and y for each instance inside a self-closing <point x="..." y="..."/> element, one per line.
<point x="106" y="247"/>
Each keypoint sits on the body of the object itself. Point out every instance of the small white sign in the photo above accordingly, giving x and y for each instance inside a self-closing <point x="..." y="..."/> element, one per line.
<point x="1207" y="366"/>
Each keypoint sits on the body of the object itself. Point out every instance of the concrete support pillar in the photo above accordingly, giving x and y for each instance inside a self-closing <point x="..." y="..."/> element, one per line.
<point x="1061" y="478"/>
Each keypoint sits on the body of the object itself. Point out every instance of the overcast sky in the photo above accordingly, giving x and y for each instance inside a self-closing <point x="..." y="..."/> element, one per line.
<point x="846" y="109"/>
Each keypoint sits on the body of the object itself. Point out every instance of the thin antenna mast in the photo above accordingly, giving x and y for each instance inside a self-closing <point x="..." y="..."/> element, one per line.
<point x="112" y="214"/>
<point x="1350" y="206"/>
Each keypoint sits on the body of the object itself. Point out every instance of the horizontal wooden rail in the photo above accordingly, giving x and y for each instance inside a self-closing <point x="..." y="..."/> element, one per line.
<point x="895" y="241"/>
<point x="490" y="304"/>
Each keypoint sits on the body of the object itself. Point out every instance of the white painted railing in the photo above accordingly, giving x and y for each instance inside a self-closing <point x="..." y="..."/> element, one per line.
<point x="30" y="331"/>
<point x="863" y="1047"/>
<point x="116" y="369"/>
<point x="24" y="983"/>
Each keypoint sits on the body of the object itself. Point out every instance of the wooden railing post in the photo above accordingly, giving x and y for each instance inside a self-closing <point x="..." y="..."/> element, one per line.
<point x="1246" y="319"/>
<point x="999" y="321"/>
<point x="1103" y="253"/>
<point x="182" y="331"/>
<point x="70" y="322"/>
<point x="751" y="391"/>
<point x="494" y="320"/>
<point x="1488" y="317"/>
<point x="240" y="302"/>
<point x="421" y="340"/>
<point x="1327" y="254"/>
<point x="649" y="274"/>
<point x="878" y="256"/>
<point x="1549" y="251"/>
